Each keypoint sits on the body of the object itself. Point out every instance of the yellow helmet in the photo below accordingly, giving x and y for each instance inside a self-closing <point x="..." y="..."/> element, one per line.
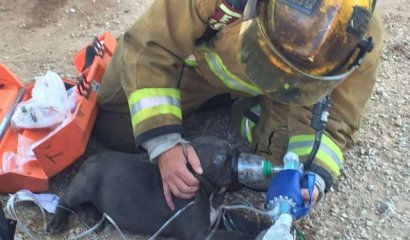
<point x="298" y="51"/>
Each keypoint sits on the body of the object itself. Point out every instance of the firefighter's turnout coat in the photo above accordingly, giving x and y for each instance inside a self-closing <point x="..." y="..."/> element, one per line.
<point x="159" y="72"/>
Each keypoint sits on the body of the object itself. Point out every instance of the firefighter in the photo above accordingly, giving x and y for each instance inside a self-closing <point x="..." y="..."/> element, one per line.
<point x="285" y="61"/>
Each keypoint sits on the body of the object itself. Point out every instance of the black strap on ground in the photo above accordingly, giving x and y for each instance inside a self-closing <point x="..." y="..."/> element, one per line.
<point x="374" y="5"/>
<point x="7" y="226"/>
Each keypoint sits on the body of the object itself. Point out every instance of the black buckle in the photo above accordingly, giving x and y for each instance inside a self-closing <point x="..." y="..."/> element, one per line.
<point x="318" y="121"/>
<point x="365" y="45"/>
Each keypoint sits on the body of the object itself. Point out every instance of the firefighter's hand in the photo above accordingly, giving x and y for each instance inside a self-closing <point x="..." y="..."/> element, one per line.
<point x="315" y="195"/>
<point x="177" y="180"/>
<point x="305" y="194"/>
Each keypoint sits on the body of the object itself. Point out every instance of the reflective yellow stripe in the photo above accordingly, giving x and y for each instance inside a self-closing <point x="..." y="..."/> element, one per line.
<point x="325" y="139"/>
<point x="247" y="125"/>
<point x="153" y="92"/>
<point x="322" y="157"/>
<point x="191" y="61"/>
<point x="329" y="154"/>
<point x="217" y="66"/>
<point x="149" y="102"/>
<point x="155" y="111"/>
<point x="246" y="129"/>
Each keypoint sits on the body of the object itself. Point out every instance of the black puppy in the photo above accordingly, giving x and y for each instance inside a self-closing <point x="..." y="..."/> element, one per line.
<point x="130" y="192"/>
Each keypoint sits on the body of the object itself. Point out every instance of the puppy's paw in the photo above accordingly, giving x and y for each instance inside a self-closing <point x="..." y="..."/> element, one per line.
<point x="56" y="226"/>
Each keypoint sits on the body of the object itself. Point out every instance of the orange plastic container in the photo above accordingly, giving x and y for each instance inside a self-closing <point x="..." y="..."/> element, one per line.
<point x="58" y="148"/>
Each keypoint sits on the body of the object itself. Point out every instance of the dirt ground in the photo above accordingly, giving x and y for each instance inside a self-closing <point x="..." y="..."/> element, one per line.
<point x="371" y="198"/>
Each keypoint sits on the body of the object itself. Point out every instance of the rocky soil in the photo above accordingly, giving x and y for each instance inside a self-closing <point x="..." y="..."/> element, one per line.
<point x="371" y="198"/>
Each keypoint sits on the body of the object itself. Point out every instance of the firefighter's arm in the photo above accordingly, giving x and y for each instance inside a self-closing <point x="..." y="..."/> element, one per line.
<point x="152" y="56"/>
<point x="348" y="101"/>
<point x="152" y="59"/>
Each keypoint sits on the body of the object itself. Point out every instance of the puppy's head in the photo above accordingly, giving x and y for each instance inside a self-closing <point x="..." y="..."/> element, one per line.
<point x="215" y="156"/>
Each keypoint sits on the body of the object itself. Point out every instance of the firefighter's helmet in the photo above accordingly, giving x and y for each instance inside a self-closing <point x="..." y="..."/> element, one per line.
<point x="298" y="51"/>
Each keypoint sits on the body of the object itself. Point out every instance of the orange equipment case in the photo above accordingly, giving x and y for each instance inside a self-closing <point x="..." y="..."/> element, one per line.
<point x="56" y="148"/>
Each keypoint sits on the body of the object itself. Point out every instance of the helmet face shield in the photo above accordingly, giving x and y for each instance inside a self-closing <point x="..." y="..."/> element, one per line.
<point x="281" y="74"/>
<point x="275" y="76"/>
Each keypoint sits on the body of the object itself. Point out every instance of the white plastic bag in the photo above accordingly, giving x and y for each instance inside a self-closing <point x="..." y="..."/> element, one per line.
<point x="73" y="98"/>
<point x="48" y="107"/>
<point x="14" y="162"/>
<point x="9" y="162"/>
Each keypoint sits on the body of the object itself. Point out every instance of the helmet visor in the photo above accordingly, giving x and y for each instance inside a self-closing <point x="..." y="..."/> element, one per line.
<point x="275" y="75"/>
